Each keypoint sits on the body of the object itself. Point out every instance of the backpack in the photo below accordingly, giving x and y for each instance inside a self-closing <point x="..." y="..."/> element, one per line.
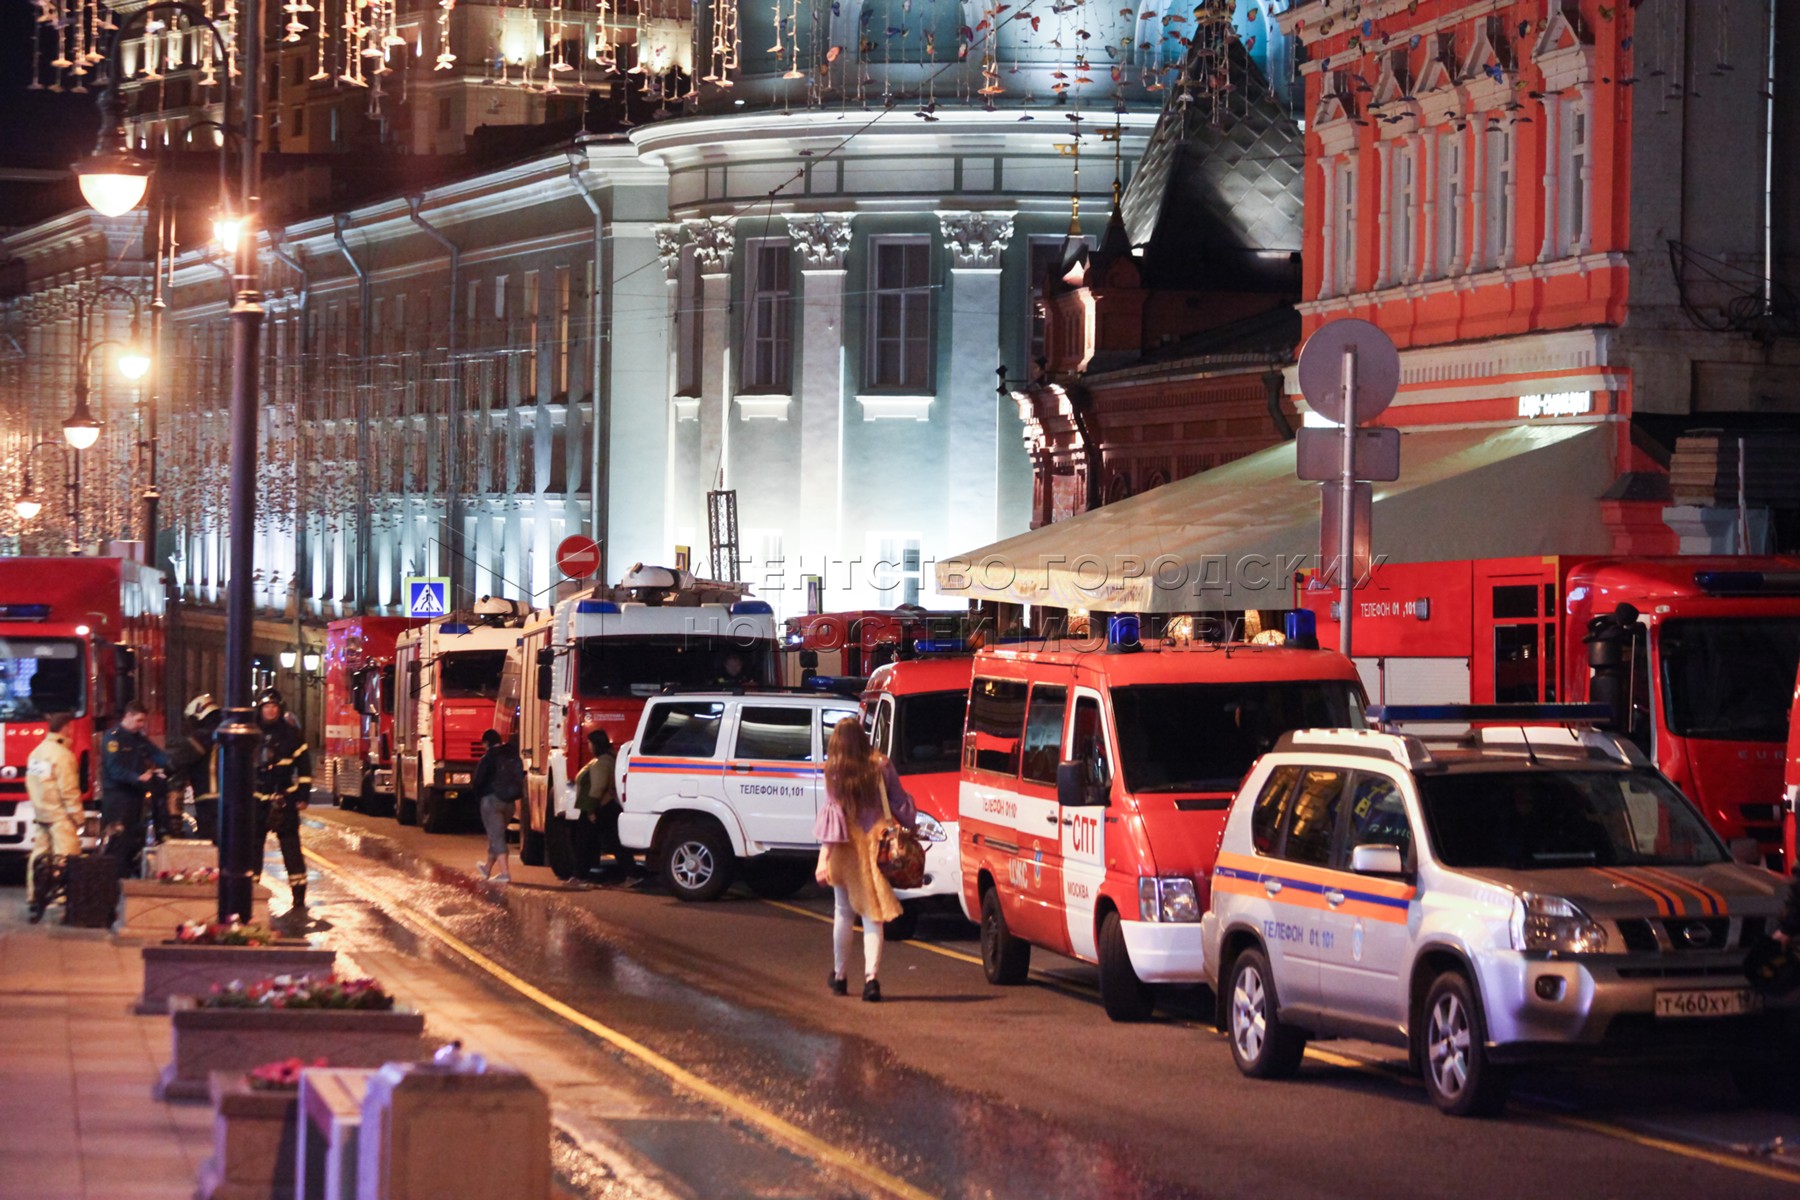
<point x="509" y="778"/>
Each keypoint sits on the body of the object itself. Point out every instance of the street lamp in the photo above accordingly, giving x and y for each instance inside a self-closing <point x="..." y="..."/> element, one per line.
<point x="238" y="733"/>
<point x="28" y="506"/>
<point x="112" y="181"/>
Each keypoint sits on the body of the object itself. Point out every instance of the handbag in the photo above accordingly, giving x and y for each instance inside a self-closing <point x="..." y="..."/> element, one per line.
<point x="899" y="854"/>
<point x="1773" y="969"/>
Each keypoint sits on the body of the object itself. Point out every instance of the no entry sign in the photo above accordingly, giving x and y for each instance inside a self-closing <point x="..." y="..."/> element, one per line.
<point x="578" y="557"/>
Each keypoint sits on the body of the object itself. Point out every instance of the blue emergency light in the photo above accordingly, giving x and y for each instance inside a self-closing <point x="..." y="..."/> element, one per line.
<point x="24" y="612"/>
<point x="940" y="645"/>
<point x="1740" y="583"/>
<point x="1122" y="632"/>
<point x="752" y="608"/>
<point x="453" y="627"/>
<point x="593" y="607"/>
<point x="1510" y="714"/>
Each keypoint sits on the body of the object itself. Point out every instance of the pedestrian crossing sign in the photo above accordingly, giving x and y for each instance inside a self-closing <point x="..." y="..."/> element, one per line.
<point x="427" y="597"/>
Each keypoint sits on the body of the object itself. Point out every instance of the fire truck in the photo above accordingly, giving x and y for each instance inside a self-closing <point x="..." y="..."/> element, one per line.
<point x="358" y="764"/>
<point x="1697" y="655"/>
<point x="592" y="662"/>
<point x="77" y="635"/>
<point x="853" y="644"/>
<point x="447" y="681"/>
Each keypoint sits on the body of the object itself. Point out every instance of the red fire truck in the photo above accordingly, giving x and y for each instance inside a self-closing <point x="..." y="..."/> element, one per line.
<point x="1698" y="655"/>
<point x="357" y="766"/>
<point x="77" y="635"/>
<point x="593" y="661"/>
<point x="853" y="644"/>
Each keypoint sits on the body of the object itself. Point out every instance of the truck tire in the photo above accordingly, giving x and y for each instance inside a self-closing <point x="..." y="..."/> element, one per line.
<point x="531" y="841"/>
<point x="777" y="879"/>
<point x="1460" y="1077"/>
<point x="1261" y="1045"/>
<point x="902" y="927"/>
<point x="1004" y="958"/>
<point x="697" y="861"/>
<point x="406" y="812"/>
<point x="1123" y="995"/>
<point x="558" y="841"/>
<point x="434" y="811"/>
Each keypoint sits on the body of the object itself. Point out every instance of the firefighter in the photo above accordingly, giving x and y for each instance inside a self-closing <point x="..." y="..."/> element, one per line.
<point x="130" y="765"/>
<point x="191" y="765"/>
<point x="283" y="788"/>
<point x="53" y="782"/>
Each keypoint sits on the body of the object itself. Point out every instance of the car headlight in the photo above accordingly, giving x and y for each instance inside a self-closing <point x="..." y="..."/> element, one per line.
<point x="930" y="829"/>
<point x="1172" y="899"/>
<point x="1551" y="923"/>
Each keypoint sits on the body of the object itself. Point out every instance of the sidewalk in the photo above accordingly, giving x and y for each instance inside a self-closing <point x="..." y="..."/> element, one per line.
<point x="76" y="1067"/>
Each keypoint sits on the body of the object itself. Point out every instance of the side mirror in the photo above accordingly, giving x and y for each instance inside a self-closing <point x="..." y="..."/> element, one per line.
<point x="358" y="700"/>
<point x="1068" y="784"/>
<point x="124" y="659"/>
<point x="546" y="672"/>
<point x="1378" y="860"/>
<point x="1747" y="851"/>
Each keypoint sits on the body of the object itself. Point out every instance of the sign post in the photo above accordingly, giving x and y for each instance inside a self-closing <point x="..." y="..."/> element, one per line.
<point x="1349" y="371"/>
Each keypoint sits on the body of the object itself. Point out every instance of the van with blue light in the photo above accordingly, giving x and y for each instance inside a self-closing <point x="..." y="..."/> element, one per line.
<point x="594" y="661"/>
<point x="1094" y="786"/>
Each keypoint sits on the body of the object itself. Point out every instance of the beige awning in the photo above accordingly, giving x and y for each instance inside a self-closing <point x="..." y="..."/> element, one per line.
<point x="1232" y="537"/>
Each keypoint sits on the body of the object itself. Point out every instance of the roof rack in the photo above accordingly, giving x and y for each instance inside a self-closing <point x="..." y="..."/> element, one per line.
<point x="848" y="686"/>
<point x="1384" y="716"/>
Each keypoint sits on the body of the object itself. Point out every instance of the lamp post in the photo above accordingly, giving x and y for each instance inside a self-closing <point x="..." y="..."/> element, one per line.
<point x="28" y="506"/>
<point x="115" y="175"/>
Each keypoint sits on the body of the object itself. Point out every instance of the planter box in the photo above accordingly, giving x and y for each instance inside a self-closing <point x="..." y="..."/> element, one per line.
<point x="173" y="969"/>
<point x="255" y="1133"/>
<point x="153" y="911"/>
<point x="182" y="854"/>
<point x="235" y="1039"/>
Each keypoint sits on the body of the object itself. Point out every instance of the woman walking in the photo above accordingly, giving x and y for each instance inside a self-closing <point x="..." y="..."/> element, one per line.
<point x="861" y="788"/>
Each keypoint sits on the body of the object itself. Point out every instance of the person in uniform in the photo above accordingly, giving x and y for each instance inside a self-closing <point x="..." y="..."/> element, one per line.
<point x="191" y="765"/>
<point x="283" y="789"/>
<point x="53" y="781"/>
<point x="129" y="765"/>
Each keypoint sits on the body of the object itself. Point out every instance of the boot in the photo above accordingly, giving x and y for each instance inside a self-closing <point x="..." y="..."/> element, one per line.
<point x="299" y="890"/>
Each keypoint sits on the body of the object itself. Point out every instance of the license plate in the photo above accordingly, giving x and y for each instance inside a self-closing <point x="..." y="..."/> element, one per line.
<point x="1710" y="1002"/>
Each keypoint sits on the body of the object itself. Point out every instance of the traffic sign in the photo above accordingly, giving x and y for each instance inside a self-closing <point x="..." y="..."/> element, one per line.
<point x="578" y="557"/>
<point x="1331" y="506"/>
<point x="427" y="596"/>
<point x="1321" y="369"/>
<point x="1318" y="455"/>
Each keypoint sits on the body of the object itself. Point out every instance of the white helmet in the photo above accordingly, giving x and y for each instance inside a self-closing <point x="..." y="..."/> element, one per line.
<point x="200" y="707"/>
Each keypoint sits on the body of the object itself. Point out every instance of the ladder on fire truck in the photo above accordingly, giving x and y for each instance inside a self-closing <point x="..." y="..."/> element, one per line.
<point x="722" y="529"/>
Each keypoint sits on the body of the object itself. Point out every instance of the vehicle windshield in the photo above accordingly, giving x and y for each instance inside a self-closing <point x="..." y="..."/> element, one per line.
<point x="928" y="731"/>
<point x="40" y="676"/>
<point x="1203" y="737"/>
<point x="1730" y="679"/>
<point x="1546" y="818"/>
<point x="471" y="674"/>
<point x="644" y="664"/>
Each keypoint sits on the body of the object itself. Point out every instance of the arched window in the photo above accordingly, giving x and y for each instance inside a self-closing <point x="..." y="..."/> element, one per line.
<point x="1119" y="488"/>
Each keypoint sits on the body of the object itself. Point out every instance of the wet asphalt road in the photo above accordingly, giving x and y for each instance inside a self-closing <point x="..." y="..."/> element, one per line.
<point x="966" y="1090"/>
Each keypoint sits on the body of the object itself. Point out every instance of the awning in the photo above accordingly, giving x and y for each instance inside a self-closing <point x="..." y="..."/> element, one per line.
<point x="1232" y="537"/>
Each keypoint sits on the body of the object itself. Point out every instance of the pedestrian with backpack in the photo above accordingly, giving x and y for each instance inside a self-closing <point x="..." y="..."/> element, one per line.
<point x="500" y="782"/>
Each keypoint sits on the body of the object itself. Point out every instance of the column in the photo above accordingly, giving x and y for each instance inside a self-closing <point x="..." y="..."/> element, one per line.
<point x="714" y="240"/>
<point x="1552" y="175"/>
<point x="975" y="242"/>
<point x="821" y="239"/>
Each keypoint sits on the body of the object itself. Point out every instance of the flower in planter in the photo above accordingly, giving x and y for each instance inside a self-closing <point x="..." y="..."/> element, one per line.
<point x="304" y="992"/>
<point x="222" y="933"/>
<point x="283" y="1075"/>
<point x="189" y="875"/>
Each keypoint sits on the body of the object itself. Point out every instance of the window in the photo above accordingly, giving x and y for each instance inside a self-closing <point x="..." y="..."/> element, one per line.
<point x="997" y="724"/>
<point x="688" y="326"/>
<point x="1087" y="745"/>
<point x="533" y="337"/>
<point x="41" y="675"/>
<point x="828" y="719"/>
<point x="1722" y="678"/>
<point x="644" y="664"/>
<point x="1378" y="815"/>
<point x="1450" y="204"/>
<point x="895" y="568"/>
<point x="1403" y="205"/>
<point x="1203" y="737"/>
<point x="1265" y="818"/>
<point x="1043" y="734"/>
<point x="1312" y="819"/>
<point x="297" y="121"/>
<point x="686" y="730"/>
<point x="1046" y="254"/>
<point x="927" y="728"/>
<point x="471" y="674"/>
<point x="1345" y="250"/>
<point x="768" y="365"/>
<point x="900" y="315"/>
<point x="560" y="371"/>
<point x="766" y="731"/>
<point x="1498" y="238"/>
<point x="499" y="297"/>
<point x="1577" y="177"/>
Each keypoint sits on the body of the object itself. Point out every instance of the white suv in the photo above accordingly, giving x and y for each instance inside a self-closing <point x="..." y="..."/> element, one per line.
<point x="1512" y="895"/>
<point x="718" y="779"/>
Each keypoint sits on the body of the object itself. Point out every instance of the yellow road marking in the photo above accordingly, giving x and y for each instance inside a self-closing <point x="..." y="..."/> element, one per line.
<point x="812" y="1146"/>
<point x="1716" y="1157"/>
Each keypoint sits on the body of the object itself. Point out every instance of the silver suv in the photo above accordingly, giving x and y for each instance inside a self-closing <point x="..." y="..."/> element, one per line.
<point x="1509" y="895"/>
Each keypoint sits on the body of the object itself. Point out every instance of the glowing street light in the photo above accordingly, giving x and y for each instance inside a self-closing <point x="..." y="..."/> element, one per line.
<point x="82" y="429"/>
<point x="27" y="508"/>
<point x="112" y="182"/>
<point x="134" y="362"/>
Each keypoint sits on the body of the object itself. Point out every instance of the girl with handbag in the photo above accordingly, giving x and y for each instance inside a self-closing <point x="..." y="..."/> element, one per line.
<point x="863" y="797"/>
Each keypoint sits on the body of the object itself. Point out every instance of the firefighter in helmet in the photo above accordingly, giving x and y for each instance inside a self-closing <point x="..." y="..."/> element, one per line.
<point x="191" y="765"/>
<point x="283" y="787"/>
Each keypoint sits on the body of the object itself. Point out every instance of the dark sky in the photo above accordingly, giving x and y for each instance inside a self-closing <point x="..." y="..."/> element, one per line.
<point x="36" y="127"/>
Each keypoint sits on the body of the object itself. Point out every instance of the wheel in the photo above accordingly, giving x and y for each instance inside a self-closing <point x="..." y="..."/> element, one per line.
<point x="1458" y="1074"/>
<point x="779" y="878"/>
<point x="434" y="811"/>
<point x="1261" y="1045"/>
<point x="1124" y="996"/>
<point x="531" y="842"/>
<point x="697" y="862"/>
<point x="558" y="841"/>
<point x="405" y="811"/>
<point x="902" y="927"/>
<point x="1004" y="958"/>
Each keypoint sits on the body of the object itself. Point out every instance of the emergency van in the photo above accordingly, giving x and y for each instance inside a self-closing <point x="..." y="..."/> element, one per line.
<point x="1702" y="651"/>
<point x="448" y="676"/>
<point x="914" y="709"/>
<point x="1095" y="786"/>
